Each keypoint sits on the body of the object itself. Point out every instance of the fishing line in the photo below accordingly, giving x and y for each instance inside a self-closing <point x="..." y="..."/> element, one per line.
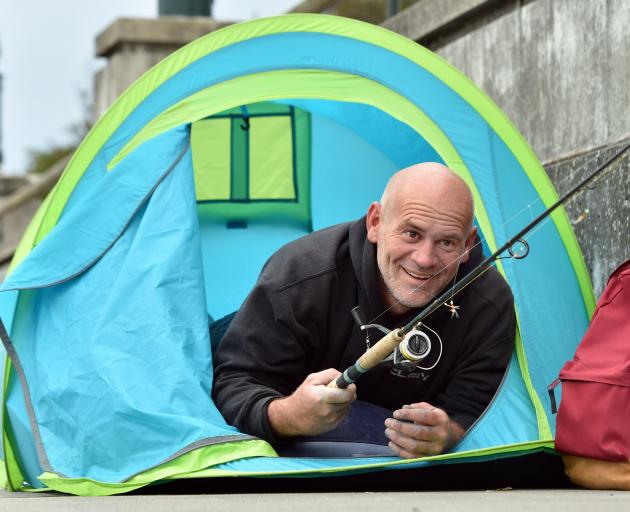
<point x="458" y="261"/>
<point x="391" y="341"/>
<point x="536" y="228"/>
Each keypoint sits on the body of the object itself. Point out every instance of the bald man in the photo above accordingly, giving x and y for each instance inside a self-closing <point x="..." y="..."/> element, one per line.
<point x="295" y="332"/>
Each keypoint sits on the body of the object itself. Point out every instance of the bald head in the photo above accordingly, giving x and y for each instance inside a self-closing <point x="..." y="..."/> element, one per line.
<point x="423" y="229"/>
<point x="433" y="183"/>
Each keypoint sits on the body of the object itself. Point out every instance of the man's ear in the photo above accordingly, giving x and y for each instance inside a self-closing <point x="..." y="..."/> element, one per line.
<point x="372" y="221"/>
<point x="469" y="243"/>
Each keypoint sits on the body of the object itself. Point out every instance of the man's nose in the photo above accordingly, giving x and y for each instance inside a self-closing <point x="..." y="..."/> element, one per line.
<point x="424" y="254"/>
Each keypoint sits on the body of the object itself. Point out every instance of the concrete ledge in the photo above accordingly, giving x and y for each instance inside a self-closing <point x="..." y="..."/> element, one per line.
<point x="18" y="208"/>
<point x="168" y="30"/>
<point x="313" y="6"/>
<point x="9" y="184"/>
<point x="426" y="17"/>
<point x="36" y="187"/>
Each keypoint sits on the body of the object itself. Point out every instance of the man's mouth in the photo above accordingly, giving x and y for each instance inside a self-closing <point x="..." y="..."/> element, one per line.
<point x="417" y="277"/>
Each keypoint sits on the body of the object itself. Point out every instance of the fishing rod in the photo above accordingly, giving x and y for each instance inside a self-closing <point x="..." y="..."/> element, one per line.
<point x="412" y="344"/>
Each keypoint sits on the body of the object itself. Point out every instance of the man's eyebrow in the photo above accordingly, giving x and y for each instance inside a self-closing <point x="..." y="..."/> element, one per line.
<point x="407" y="224"/>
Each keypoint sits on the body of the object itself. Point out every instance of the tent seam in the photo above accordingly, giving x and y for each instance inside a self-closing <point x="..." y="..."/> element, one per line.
<point x="17" y="365"/>
<point x="95" y="260"/>
<point x="193" y="446"/>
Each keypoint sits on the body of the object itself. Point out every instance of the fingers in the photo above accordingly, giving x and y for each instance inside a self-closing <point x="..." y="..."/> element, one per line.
<point x="313" y="408"/>
<point x="411" y="441"/>
<point x="418" y="430"/>
<point x="331" y="395"/>
<point x="414" y="452"/>
<point x="422" y="413"/>
<point x="415" y="431"/>
<point x="336" y="396"/>
<point x="323" y="377"/>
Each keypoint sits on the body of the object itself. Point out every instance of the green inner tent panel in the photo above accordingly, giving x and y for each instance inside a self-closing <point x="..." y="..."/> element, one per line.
<point x="254" y="163"/>
<point x="212" y="159"/>
<point x="271" y="168"/>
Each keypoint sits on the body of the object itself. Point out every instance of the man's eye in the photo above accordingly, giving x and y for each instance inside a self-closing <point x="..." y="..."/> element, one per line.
<point x="447" y="243"/>
<point x="411" y="234"/>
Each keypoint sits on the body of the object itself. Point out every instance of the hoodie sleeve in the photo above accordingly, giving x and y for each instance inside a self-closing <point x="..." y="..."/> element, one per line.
<point x="258" y="360"/>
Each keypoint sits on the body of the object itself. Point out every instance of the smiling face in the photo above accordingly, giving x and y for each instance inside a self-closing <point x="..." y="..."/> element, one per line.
<point x="422" y="230"/>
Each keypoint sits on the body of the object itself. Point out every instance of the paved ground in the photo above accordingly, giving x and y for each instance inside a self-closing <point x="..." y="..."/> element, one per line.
<point x="470" y="501"/>
<point x="434" y="488"/>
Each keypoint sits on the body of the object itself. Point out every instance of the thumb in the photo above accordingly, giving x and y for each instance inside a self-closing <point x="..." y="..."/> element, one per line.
<point x="323" y="378"/>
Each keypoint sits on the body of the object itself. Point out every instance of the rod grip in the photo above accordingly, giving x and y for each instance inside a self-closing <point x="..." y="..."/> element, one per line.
<point x="379" y="351"/>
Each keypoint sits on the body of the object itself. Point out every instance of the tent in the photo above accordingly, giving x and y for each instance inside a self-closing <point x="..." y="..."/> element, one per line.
<point x="237" y="143"/>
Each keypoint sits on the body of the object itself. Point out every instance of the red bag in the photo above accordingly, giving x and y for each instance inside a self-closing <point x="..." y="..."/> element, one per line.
<point x="594" y="416"/>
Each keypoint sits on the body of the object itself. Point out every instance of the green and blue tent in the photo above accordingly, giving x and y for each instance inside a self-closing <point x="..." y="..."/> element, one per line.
<point x="236" y="144"/>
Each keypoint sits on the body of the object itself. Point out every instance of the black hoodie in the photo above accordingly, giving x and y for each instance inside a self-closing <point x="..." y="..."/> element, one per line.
<point x="297" y="321"/>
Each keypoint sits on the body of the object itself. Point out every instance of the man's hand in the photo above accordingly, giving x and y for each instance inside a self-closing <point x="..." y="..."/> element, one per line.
<point x="313" y="408"/>
<point x="418" y="430"/>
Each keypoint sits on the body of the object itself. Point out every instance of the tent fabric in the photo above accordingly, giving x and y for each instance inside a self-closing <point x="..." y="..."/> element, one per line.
<point x="124" y="411"/>
<point x="108" y="376"/>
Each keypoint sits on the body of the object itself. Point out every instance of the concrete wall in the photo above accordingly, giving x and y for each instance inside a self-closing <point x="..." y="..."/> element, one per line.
<point x="133" y="46"/>
<point x="372" y="11"/>
<point x="19" y="199"/>
<point x="601" y="213"/>
<point x="560" y="70"/>
<point x="13" y="221"/>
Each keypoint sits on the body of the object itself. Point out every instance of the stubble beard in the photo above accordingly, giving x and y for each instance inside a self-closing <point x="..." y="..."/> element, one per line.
<point x="411" y="298"/>
<point x="405" y="295"/>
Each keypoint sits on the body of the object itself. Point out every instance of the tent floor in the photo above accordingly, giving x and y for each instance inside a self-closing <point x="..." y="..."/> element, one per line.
<point x="533" y="471"/>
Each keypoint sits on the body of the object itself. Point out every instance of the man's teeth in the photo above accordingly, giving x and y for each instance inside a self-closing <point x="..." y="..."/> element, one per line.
<point x="416" y="276"/>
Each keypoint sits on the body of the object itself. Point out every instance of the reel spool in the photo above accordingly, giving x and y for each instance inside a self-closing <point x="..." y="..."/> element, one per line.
<point x="415" y="347"/>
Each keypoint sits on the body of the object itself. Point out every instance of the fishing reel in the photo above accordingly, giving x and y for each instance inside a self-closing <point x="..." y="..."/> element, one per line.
<point x="415" y="347"/>
<point x="412" y="350"/>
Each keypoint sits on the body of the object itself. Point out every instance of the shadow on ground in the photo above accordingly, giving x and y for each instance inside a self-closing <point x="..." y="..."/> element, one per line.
<point x="534" y="471"/>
